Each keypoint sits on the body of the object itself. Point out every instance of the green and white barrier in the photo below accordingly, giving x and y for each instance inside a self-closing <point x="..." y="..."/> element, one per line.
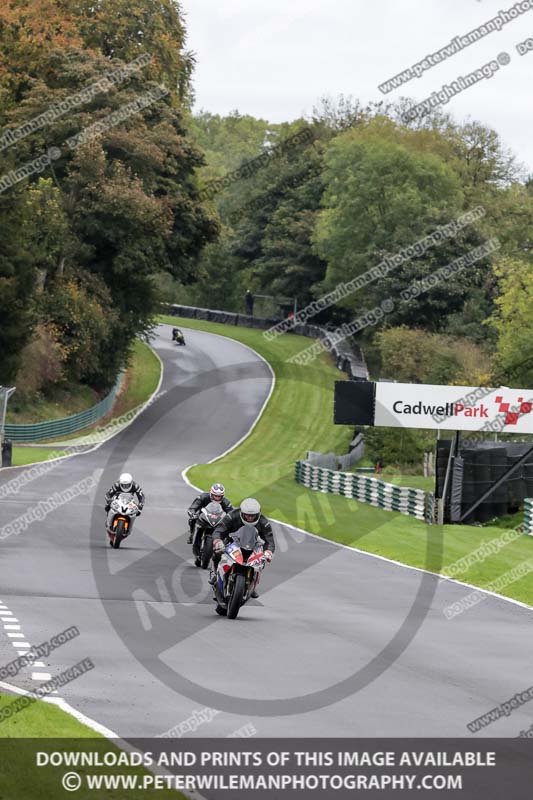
<point x="528" y="516"/>
<point x="55" y="428"/>
<point x="413" y="502"/>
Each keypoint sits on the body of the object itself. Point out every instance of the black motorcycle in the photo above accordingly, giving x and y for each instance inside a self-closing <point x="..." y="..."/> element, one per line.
<point x="177" y="336"/>
<point x="202" y="541"/>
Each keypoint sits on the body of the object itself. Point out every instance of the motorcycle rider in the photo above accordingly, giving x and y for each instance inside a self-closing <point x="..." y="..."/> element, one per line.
<point x="248" y="512"/>
<point x="127" y="485"/>
<point x="216" y="494"/>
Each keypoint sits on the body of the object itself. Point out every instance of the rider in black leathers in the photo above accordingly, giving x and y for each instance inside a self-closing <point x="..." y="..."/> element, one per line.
<point x="215" y="495"/>
<point x="248" y="513"/>
<point x="125" y="484"/>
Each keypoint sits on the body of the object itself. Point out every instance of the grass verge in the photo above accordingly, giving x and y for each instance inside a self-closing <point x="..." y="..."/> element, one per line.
<point x="61" y="402"/>
<point x="140" y="382"/>
<point x="400" y="478"/>
<point x="41" y="719"/>
<point x="299" y="418"/>
<point x="37" y="729"/>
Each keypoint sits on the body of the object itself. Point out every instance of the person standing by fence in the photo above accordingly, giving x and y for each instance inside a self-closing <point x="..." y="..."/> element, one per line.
<point x="249" y="303"/>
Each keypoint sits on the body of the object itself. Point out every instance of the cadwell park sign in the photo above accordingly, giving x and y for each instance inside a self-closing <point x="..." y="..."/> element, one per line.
<point x="456" y="408"/>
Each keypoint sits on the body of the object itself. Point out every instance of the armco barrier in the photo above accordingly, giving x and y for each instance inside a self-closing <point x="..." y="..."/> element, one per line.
<point x="55" y="428"/>
<point x="348" y="357"/>
<point x="336" y="462"/>
<point x="413" y="502"/>
<point x="528" y="516"/>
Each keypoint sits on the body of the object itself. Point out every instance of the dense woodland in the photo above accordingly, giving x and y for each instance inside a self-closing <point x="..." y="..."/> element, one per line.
<point x="92" y="245"/>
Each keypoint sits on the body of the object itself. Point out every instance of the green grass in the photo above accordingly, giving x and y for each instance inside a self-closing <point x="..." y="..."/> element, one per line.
<point x="41" y="720"/>
<point x="400" y="478"/>
<point x="61" y="402"/>
<point x="299" y="418"/>
<point x="397" y="475"/>
<point x="29" y="455"/>
<point x="141" y="381"/>
<point x="21" y="779"/>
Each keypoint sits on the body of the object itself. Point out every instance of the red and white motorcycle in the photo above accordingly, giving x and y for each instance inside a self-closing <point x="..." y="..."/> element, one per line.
<point x="239" y="570"/>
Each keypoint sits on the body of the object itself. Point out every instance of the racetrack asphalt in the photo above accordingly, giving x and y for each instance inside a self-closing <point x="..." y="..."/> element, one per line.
<point x="340" y="644"/>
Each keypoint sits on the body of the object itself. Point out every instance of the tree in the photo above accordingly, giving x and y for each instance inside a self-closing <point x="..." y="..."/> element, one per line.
<point x="52" y="243"/>
<point x="229" y="141"/>
<point x="413" y="355"/>
<point x="125" y="29"/>
<point x="387" y="187"/>
<point x="122" y="206"/>
<point x="118" y="29"/>
<point x="77" y="307"/>
<point x="276" y="217"/>
<point x="17" y="283"/>
<point x="513" y="321"/>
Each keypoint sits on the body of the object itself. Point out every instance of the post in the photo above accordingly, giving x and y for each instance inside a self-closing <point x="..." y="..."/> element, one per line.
<point x="6" y="395"/>
<point x="454" y="450"/>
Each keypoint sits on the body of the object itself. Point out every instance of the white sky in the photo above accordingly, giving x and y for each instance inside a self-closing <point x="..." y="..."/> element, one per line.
<point x="275" y="58"/>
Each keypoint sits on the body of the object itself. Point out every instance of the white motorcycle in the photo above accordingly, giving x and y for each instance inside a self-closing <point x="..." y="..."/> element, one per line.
<point x="122" y="513"/>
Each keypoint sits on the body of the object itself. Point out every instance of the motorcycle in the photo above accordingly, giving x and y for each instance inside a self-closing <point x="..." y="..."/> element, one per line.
<point x="202" y="543"/>
<point x="177" y="336"/>
<point x="124" y="509"/>
<point x="238" y="571"/>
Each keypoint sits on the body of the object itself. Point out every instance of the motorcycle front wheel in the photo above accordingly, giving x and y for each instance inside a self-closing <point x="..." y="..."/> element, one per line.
<point x="235" y="601"/>
<point x="207" y="551"/>
<point x="119" y="533"/>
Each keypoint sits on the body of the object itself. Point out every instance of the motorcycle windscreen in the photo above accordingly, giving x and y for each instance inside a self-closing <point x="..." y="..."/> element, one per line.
<point x="246" y="536"/>
<point x="125" y="497"/>
<point x="214" y="513"/>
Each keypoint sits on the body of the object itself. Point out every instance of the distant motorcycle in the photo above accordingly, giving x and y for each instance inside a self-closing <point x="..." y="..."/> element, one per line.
<point x="238" y="572"/>
<point x="177" y="336"/>
<point x="123" y="511"/>
<point x="202" y="543"/>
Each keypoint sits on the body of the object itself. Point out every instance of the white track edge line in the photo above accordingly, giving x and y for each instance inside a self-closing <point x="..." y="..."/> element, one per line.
<point x="263" y="407"/>
<point x="64" y="706"/>
<point x="96" y="727"/>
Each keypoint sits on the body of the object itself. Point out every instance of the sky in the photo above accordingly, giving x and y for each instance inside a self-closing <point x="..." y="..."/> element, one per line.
<point x="275" y="59"/>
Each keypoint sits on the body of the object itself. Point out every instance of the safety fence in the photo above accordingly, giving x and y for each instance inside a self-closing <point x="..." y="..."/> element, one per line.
<point x="55" y="428"/>
<point x="413" y="502"/>
<point x="335" y="461"/>
<point x="348" y="357"/>
<point x="528" y="516"/>
<point x="474" y="469"/>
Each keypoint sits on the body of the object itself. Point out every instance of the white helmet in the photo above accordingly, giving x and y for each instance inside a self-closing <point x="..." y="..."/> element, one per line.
<point x="125" y="482"/>
<point x="250" y="511"/>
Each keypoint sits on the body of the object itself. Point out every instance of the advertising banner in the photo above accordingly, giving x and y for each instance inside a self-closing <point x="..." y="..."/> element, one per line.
<point x="457" y="408"/>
